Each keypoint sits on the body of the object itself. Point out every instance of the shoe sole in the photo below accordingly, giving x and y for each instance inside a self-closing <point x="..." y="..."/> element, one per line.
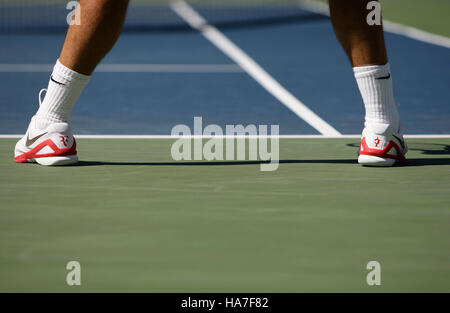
<point x="370" y="160"/>
<point x="57" y="161"/>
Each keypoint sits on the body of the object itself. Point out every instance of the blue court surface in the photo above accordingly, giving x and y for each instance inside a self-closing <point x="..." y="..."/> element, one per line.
<point x="180" y="74"/>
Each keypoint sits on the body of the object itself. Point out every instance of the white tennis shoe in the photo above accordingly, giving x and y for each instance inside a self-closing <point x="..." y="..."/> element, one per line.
<point x="54" y="145"/>
<point x="381" y="147"/>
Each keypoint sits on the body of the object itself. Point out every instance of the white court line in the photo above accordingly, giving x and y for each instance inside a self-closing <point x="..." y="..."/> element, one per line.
<point x="217" y="38"/>
<point x="417" y="34"/>
<point x="132" y="68"/>
<point x="391" y="27"/>
<point x="436" y="136"/>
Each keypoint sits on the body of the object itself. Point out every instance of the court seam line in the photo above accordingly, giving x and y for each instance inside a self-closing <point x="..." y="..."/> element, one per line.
<point x="417" y="136"/>
<point x="224" y="44"/>
<point x="132" y="68"/>
<point x="389" y="26"/>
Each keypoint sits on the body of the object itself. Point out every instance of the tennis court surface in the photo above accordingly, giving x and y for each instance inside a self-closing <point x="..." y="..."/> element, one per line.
<point x="136" y="220"/>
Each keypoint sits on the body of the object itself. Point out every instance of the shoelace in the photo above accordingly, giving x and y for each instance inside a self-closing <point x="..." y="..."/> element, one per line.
<point x="40" y="95"/>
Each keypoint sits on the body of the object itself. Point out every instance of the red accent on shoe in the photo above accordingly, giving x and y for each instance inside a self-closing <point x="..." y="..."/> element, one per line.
<point x="383" y="153"/>
<point x="23" y="158"/>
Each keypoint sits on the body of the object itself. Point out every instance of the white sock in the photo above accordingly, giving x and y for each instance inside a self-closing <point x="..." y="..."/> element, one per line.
<point x="375" y="85"/>
<point x="64" y="89"/>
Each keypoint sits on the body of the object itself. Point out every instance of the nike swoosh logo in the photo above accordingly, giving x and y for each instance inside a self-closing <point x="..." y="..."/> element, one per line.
<point x="385" y="77"/>
<point x="53" y="80"/>
<point x="400" y="140"/>
<point x="29" y="141"/>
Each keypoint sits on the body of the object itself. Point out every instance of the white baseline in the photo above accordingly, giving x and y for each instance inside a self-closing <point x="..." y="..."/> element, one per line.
<point x="433" y="136"/>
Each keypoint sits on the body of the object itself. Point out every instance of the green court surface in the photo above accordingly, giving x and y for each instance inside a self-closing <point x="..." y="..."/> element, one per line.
<point x="137" y="221"/>
<point x="429" y="15"/>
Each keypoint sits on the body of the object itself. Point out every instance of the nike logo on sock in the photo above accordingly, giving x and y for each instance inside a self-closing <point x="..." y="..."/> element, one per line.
<point x="385" y="77"/>
<point x="53" y="80"/>
<point x="29" y="141"/>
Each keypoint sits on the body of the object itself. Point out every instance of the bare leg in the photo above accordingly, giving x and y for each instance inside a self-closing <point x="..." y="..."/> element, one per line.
<point x="365" y="47"/>
<point x="88" y="43"/>
<point x="364" y="44"/>
<point x="85" y="46"/>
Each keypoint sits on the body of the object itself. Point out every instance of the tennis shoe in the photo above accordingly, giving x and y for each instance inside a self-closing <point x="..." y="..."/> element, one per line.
<point x="381" y="147"/>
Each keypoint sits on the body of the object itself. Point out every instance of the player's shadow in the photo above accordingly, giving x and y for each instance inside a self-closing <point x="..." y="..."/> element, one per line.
<point x="215" y="163"/>
<point x="410" y="162"/>
<point x="427" y="149"/>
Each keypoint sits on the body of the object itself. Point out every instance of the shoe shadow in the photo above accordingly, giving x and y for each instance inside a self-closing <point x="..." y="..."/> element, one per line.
<point x="424" y="148"/>
<point x="426" y="162"/>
